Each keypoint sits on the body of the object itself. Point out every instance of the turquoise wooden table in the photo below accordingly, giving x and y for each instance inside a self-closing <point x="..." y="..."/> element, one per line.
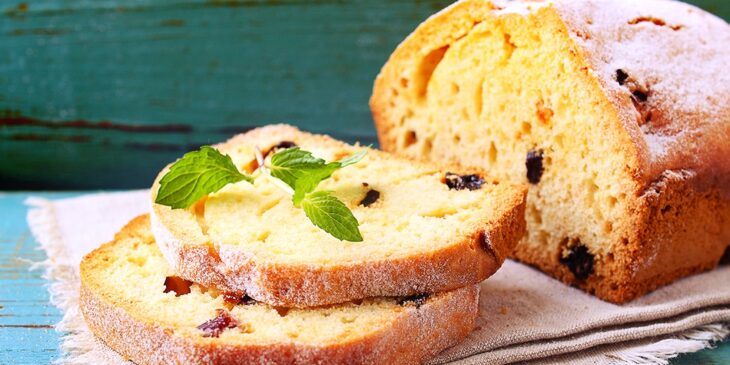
<point x="26" y="318"/>
<point x="101" y="94"/>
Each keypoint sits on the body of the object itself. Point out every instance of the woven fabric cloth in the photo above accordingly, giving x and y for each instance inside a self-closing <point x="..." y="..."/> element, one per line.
<point x="524" y="315"/>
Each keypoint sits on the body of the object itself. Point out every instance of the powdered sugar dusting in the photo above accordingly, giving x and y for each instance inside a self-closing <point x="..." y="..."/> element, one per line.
<point x="146" y="327"/>
<point x="680" y="54"/>
<point x="657" y="144"/>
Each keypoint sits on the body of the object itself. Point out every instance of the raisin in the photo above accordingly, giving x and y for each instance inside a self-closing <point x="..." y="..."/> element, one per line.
<point x="285" y="145"/>
<point x="639" y="92"/>
<point x="533" y="162"/>
<point x="621" y="77"/>
<point x="246" y="300"/>
<point x="418" y="300"/>
<point x="486" y="244"/>
<point x="579" y="261"/>
<point x="640" y="95"/>
<point x="371" y="197"/>
<point x="231" y="300"/>
<point x="216" y="325"/>
<point x="280" y="146"/>
<point x="461" y="182"/>
<point x="178" y="285"/>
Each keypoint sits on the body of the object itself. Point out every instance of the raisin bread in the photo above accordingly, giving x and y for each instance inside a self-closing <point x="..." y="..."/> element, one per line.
<point x="131" y="300"/>
<point x="423" y="231"/>
<point x="616" y="112"/>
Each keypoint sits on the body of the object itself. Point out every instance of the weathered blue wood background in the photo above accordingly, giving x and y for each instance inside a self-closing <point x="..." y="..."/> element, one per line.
<point x="101" y="93"/>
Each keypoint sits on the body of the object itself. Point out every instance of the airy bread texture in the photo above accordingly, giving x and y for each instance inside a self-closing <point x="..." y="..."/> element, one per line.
<point x="620" y="109"/>
<point x="420" y="236"/>
<point x="124" y="302"/>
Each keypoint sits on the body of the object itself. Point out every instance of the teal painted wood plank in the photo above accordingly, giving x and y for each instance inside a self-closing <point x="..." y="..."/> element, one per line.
<point x="26" y="316"/>
<point x="717" y="356"/>
<point x="102" y="93"/>
<point x="212" y="69"/>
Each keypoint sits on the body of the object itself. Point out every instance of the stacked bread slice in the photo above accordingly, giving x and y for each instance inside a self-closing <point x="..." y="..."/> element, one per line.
<point x="243" y="276"/>
<point x="126" y="302"/>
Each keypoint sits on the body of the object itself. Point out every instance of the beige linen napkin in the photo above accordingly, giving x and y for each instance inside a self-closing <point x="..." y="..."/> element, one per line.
<point x="524" y="315"/>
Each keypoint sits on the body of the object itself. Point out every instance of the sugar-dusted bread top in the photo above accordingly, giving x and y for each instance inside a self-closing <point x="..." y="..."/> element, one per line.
<point x="131" y="299"/>
<point x="419" y="234"/>
<point x="671" y="95"/>
<point x="677" y="56"/>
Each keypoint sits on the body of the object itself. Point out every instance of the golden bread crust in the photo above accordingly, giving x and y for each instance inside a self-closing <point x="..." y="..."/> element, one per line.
<point x="232" y="269"/>
<point x="416" y="334"/>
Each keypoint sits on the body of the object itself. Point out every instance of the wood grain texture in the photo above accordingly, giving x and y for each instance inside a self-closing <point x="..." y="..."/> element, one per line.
<point x="101" y="94"/>
<point x="85" y="77"/>
<point x="26" y="316"/>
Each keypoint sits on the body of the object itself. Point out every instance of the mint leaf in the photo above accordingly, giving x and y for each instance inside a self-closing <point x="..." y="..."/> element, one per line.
<point x="331" y="215"/>
<point x="195" y="175"/>
<point x="292" y="163"/>
<point x="308" y="181"/>
<point x="304" y="186"/>
<point x="353" y="159"/>
<point x="303" y="172"/>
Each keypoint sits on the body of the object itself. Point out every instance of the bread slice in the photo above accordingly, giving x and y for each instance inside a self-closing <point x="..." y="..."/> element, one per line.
<point x="616" y="112"/>
<point x="126" y="302"/>
<point x="420" y="236"/>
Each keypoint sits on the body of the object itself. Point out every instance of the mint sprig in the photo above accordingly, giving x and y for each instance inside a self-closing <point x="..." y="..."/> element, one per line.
<point x="206" y="171"/>
<point x="294" y="165"/>
<point x="195" y="175"/>
<point x="331" y="215"/>
<point x="303" y="172"/>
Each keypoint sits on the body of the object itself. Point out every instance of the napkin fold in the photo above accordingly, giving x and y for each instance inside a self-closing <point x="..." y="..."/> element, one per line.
<point x="525" y="316"/>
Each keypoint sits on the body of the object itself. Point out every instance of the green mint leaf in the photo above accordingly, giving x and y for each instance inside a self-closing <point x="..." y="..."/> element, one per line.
<point x="195" y="175"/>
<point x="303" y="187"/>
<point x="303" y="172"/>
<point x="353" y="159"/>
<point x="308" y="181"/>
<point x="331" y="215"/>
<point x="290" y="164"/>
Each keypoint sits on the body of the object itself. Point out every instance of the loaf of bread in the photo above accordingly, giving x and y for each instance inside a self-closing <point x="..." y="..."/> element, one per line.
<point x="132" y="300"/>
<point x="424" y="230"/>
<point x="616" y="112"/>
